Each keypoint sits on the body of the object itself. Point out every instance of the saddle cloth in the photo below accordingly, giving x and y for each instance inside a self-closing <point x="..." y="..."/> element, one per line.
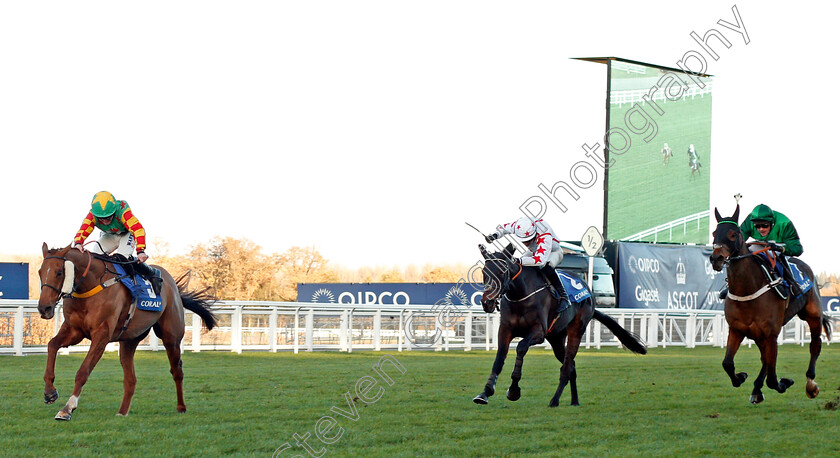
<point x="141" y="291"/>
<point x="575" y="288"/>
<point x="805" y="283"/>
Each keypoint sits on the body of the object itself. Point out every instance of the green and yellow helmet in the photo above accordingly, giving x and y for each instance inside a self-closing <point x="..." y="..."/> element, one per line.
<point x="103" y="204"/>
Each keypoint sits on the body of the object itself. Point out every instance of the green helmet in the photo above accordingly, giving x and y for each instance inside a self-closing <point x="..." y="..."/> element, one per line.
<point x="762" y="213"/>
<point x="103" y="205"/>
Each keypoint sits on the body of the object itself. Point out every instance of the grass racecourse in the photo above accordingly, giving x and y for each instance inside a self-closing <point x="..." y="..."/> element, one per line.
<point x="671" y="402"/>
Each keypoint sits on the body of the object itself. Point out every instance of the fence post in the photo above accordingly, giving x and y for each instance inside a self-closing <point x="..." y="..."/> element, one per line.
<point x="154" y="342"/>
<point x="272" y="330"/>
<point x="400" y="332"/>
<point x="653" y="329"/>
<point x="691" y="331"/>
<point x="596" y="331"/>
<point x="17" y="340"/>
<point x="488" y="330"/>
<point x="350" y="331"/>
<point x="468" y="331"/>
<point x="310" y="328"/>
<point x="196" y="333"/>
<point x="236" y="330"/>
<point x="295" y="330"/>
<point x="342" y="331"/>
<point x="496" y="318"/>
<point x="377" y="328"/>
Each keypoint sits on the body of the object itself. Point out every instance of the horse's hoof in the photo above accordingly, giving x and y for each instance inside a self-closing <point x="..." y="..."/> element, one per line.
<point x="741" y="377"/>
<point x="123" y="415"/>
<point x="784" y="384"/>
<point x="756" y="398"/>
<point x="554" y="403"/>
<point x="811" y="388"/>
<point x="63" y="415"/>
<point x="513" y="394"/>
<point x="480" y="399"/>
<point x="49" y="398"/>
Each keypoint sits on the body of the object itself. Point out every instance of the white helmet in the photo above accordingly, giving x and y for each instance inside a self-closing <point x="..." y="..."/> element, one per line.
<point x="525" y="228"/>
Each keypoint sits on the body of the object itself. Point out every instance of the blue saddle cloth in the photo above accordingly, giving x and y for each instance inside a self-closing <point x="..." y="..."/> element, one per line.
<point x="141" y="291"/>
<point x="805" y="283"/>
<point x="575" y="288"/>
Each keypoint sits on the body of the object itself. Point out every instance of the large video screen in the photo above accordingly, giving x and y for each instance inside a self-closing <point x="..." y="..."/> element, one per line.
<point x="659" y="145"/>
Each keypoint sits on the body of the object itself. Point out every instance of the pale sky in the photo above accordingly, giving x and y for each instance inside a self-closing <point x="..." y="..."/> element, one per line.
<point x="374" y="130"/>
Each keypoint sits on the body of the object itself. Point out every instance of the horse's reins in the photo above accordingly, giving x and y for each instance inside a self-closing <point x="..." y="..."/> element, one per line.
<point x="93" y="291"/>
<point x="544" y="287"/>
<point x="767" y="249"/>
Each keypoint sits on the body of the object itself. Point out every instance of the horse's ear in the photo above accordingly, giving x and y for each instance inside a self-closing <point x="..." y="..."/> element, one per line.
<point x="482" y="250"/>
<point x="737" y="210"/>
<point x="44" y="249"/>
<point x="717" y="215"/>
<point x="509" y="250"/>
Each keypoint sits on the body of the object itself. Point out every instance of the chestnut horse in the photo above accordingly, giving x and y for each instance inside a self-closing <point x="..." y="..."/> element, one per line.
<point x="532" y="316"/>
<point x="98" y="307"/>
<point x="753" y="310"/>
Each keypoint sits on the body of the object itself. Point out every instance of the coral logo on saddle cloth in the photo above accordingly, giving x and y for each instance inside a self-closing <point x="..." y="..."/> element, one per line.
<point x="575" y="288"/>
<point x="804" y="282"/>
<point x="141" y="291"/>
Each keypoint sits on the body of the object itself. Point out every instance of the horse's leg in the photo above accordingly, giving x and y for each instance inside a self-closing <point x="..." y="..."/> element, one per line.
<point x="558" y="344"/>
<point x="98" y="341"/>
<point x="127" y="349"/>
<point x="505" y="337"/>
<point x="173" y="351"/>
<point x="567" y="371"/>
<point x="535" y="338"/>
<point x="732" y="345"/>
<point x="780" y="385"/>
<point x="812" y="314"/>
<point x="756" y="397"/>
<point x="66" y="336"/>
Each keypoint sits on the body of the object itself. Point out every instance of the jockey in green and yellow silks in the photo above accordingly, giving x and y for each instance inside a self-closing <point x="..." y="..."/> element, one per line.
<point x="112" y="217"/>
<point x="122" y="233"/>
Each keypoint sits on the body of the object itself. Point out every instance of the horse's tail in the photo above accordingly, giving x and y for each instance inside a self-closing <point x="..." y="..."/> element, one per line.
<point x="826" y="322"/>
<point x="198" y="301"/>
<point x="630" y="341"/>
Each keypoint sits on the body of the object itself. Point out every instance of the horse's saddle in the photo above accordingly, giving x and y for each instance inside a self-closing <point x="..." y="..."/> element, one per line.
<point x="774" y="272"/>
<point x="141" y="290"/>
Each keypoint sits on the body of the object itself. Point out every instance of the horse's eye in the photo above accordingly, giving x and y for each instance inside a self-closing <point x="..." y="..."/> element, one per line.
<point x="59" y="273"/>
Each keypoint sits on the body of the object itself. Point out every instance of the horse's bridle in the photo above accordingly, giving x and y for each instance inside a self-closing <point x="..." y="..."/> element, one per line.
<point x="734" y="246"/>
<point x="508" y="279"/>
<point x="61" y="293"/>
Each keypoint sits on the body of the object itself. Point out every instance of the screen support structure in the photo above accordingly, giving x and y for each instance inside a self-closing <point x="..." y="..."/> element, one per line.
<point x="607" y="146"/>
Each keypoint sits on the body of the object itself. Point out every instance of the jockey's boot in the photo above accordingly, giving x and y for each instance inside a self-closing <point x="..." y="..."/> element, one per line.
<point x="551" y="275"/>
<point x="795" y="290"/>
<point x="151" y="274"/>
<point x="723" y="293"/>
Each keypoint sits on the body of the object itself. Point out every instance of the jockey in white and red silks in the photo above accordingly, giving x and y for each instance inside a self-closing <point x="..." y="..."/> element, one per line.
<point x="544" y="251"/>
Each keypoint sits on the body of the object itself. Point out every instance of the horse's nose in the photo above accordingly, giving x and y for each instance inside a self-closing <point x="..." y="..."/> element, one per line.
<point x="46" y="312"/>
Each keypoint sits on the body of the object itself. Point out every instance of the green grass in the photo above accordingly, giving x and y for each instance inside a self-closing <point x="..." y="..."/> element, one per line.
<point x="672" y="402"/>
<point x="641" y="185"/>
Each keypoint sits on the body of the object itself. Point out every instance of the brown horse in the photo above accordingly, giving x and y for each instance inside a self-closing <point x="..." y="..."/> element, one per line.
<point x="98" y="307"/>
<point x="753" y="310"/>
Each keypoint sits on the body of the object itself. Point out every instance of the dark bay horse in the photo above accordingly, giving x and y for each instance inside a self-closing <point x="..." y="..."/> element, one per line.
<point x="97" y="307"/>
<point x="528" y="310"/>
<point x="755" y="311"/>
